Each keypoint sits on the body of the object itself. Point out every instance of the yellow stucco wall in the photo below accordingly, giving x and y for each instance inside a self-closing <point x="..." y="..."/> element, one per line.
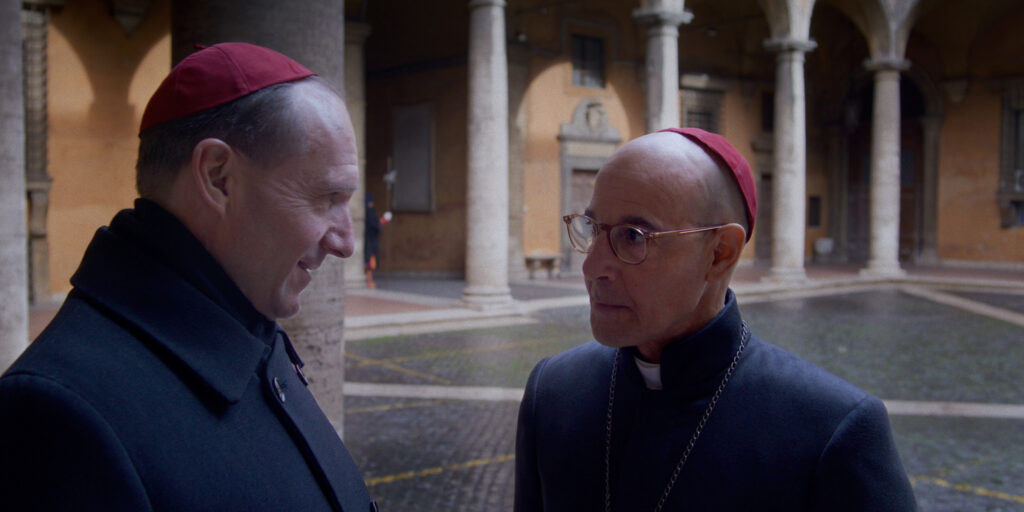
<point x="425" y="242"/>
<point x="99" y="82"/>
<point x="741" y="124"/>
<point x="968" y="181"/>
<point x="550" y="101"/>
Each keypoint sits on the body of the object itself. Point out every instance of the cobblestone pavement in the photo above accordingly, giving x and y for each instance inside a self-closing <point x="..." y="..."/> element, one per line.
<point x="431" y="418"/>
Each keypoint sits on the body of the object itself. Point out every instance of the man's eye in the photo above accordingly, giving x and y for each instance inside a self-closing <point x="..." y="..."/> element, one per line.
<point x="336" y="198"/>
<point x="634" y="235"/>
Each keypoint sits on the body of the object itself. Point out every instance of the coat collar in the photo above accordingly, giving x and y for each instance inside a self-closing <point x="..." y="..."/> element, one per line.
<point x="694" y="364"/>
<point x="148" y="269"/>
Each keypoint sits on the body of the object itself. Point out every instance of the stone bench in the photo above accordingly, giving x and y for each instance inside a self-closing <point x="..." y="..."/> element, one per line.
<point x="542" y="259"/>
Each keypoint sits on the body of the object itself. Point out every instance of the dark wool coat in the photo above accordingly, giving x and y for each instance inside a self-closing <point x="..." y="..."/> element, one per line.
<point x="159" y="387"/>
<point x="785" y="435"/>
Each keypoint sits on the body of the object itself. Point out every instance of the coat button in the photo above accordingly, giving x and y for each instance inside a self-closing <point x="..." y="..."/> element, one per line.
<point x="278" y="389"/>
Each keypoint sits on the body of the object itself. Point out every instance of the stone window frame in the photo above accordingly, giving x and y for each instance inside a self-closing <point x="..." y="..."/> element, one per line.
<point x="701" y="98"/>
<point x="585" y="143"/>
<point x="1010" y="196"/>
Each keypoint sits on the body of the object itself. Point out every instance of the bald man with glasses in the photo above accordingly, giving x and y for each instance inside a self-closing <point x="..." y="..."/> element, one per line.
<point x="677" y="405"/>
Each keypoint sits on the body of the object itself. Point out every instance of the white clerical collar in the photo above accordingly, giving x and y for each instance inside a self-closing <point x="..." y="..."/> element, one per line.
<point x="651" y="373"/>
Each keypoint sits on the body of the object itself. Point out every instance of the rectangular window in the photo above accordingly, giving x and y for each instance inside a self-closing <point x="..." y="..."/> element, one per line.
<point x="587" y="61"/>
<point x="1010" y="196"/>
<point x="907" y="168"/>
<point x="814" y="212"/>
<point x="413" y="158"/>
<point x="702" y="119"/>
<point x="767" y="111"/>
<point x="1017" y="174"/>
<point x="700" y="108"/>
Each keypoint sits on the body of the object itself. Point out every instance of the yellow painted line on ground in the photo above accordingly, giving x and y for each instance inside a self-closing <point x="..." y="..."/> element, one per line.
<point x="969" y="489"/>
<point x="434" y="354"/>
<point x="363" y="360"/>
<point x="387" y="479"/>
<point x="391" y="407"/>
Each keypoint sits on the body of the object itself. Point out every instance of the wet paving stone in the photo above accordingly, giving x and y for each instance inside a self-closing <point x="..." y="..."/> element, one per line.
<point x="1009" y="301"/>
<point x="434" y="455"/>
<point x="963" y="464"/>
<point x="500" y="356"/>
<point x="898" y="346"/>
<point x="457" y="455"/>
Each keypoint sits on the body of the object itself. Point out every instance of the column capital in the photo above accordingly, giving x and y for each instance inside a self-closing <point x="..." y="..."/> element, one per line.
<point x="473" y="4"/>
<point x="656" y="16"/>
<point x="887" y="64"/>
<point x="788" y="44"/>
<point x="356" y="32"/>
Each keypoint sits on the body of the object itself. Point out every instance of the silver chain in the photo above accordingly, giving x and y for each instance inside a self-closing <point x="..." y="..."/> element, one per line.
<point x="693" y="439"/>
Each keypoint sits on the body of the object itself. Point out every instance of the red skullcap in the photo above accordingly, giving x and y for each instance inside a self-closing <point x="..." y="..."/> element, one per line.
<point x="717" y="146"/>
<point x="215" y="75"/>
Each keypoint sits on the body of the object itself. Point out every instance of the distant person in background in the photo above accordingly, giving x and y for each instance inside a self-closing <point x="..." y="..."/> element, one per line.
<point x="371" y="248"/>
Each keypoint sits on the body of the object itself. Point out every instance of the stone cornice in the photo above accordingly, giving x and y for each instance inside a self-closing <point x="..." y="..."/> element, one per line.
<point x="656" y="16"/>
<point x="788" y="44"/>
<point x="486" y="3"/>
<point x="887" y="64"/>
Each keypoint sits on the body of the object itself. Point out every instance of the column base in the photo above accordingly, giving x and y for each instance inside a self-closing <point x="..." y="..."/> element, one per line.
<point x="876" y="270"/>
<point x="355" y="284"/>
<point x="787" y="275"/>
<point x="488" y="298"/>
<point x="928" y="257"/>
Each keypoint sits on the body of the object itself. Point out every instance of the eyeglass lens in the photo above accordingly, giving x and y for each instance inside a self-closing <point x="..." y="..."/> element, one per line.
<point x="627" y="242"/>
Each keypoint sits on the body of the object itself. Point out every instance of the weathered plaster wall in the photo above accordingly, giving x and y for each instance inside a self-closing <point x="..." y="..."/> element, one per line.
<point x="432" y="242"/>
<point x="99" y="82"/>
<point x="968" y="181"/>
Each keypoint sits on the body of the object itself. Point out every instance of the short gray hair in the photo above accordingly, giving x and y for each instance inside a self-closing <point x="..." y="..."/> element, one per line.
<point x="262" y="126"/>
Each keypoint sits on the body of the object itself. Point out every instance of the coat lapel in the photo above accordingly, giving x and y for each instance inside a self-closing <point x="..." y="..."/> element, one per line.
<point x="327" y="456"/>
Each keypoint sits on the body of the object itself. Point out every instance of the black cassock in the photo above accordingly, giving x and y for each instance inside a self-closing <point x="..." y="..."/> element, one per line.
<point x="158" y="386"/>
<point x="786" y="435"/>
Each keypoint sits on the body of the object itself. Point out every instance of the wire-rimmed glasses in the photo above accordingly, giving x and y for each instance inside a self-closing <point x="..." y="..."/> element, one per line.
<point x="628" y="242"/>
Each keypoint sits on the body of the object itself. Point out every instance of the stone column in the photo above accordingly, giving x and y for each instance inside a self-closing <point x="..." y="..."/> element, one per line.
<point x="789" y="176"/>
<point x="315" y="36"/>
<point x="487" y="194"/>
<point x="663" y="18"/>
<point x="839" y="202"/>
<point x="518" y="80"/>
<point x="34" y="18"/>
<point x="355" y="98"/>
<point x="13" y="266"/>
<point x="884" y="241"/>
<point x="929" y="254"/>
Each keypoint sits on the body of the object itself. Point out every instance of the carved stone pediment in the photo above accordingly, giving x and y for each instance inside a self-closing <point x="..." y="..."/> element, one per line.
<point x="590" y="123"/>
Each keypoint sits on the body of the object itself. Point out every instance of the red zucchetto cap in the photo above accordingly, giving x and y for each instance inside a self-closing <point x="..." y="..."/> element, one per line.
<point x="215" y="75"/>
<point x="716" y="145"/>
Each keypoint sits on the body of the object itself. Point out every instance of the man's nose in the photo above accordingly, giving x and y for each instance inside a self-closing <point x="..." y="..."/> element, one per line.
<point x="339" y="239"/>
<point x="601" y="259"/>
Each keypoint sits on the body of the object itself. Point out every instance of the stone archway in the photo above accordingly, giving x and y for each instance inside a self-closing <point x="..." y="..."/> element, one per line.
<point x="586" y="142"/>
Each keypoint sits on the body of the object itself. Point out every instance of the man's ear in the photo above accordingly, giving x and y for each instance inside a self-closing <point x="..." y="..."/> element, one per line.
<point x="210" y="169"/>
<point x="729" y="241"/>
